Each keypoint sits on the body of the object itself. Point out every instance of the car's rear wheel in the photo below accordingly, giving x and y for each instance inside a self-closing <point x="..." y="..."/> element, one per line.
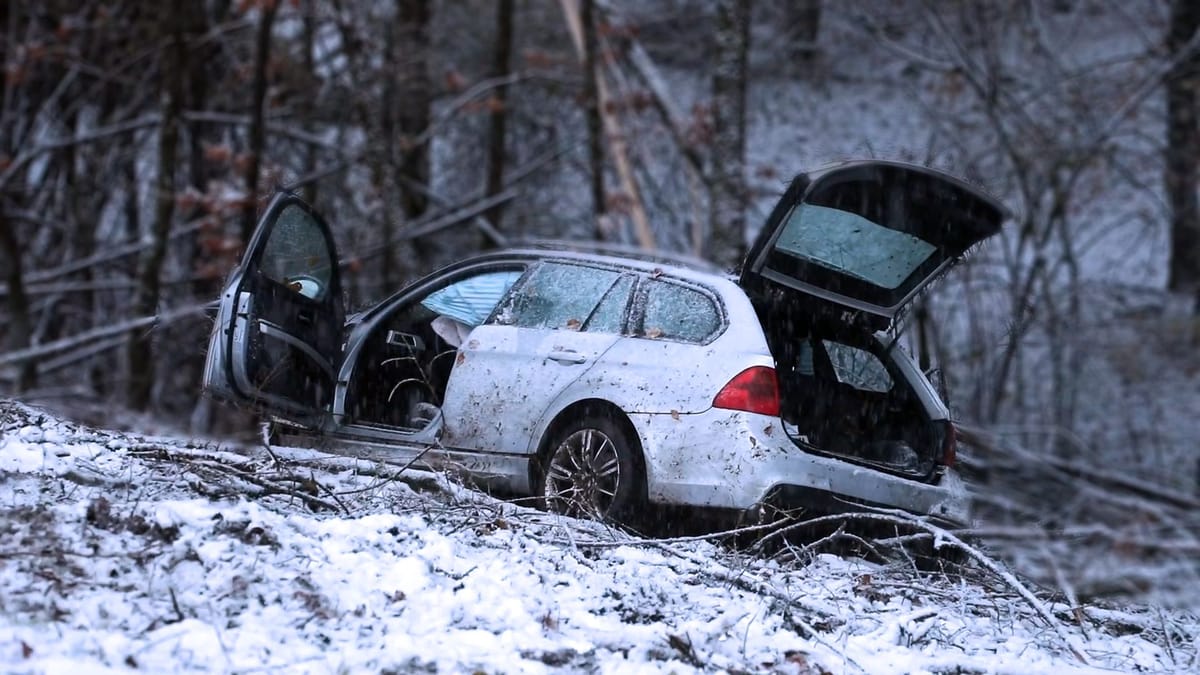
<point x="591" y="470"/>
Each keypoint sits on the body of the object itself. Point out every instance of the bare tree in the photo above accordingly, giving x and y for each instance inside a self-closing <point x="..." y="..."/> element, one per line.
<point x="591" y="112"/>
<point x="258" y="100"/>
<point x="141" y="352"/>
<point x="727" y="240"/>
<point x="1182" y="158"/>
<point x="498" y="105"/>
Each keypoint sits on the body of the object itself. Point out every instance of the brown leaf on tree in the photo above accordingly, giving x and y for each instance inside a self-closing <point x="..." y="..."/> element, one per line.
<point x="242" y="161"/>
<point x="536" y="58"/>
<point x="217" y="153"/>
<point x="455" y="82"/>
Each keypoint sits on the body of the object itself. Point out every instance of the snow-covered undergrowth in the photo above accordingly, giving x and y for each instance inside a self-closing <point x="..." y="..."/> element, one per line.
<point x="120" y="552"/>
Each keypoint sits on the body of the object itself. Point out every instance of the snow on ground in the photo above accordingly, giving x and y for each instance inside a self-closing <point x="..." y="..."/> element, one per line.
<point x="122" y="553"/>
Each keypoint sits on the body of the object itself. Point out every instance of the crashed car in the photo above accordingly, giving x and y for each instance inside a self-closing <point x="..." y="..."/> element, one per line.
<point x="600" y="383"/>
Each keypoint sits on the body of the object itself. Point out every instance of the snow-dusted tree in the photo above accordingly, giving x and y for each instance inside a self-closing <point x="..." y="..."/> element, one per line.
<point x="140" y="353"/>
<point x="1182" y="150"/>
<point x="726" y="243"/>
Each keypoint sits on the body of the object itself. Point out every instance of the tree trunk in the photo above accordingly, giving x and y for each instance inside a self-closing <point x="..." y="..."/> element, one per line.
<point x="501" y="59"/>
<point x="141" y="351"/>
<point x="1183" y="151"/>
<point x="414" y="96"/>
<point x="258" y="135"/>
<point x="727" y="238"/>
<point x="591" y="103"/>
<point x="19" y="325"/>
<point x="803" y="19"/>
<point x="310" y="68"/>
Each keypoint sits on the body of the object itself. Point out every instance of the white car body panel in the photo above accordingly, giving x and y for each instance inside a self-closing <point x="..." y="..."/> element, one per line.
<point x="734" y="460"/>
<point x="505" y="377"/>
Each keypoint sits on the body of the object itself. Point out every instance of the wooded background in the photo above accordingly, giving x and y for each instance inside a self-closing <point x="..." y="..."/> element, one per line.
<point x="139" y="139"/>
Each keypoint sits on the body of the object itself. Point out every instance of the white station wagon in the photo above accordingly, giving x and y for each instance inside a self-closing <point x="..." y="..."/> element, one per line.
<point x="600" y="383"/>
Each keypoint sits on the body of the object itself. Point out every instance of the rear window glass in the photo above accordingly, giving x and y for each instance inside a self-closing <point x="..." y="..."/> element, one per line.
<point x="557" y="295"/>
<point x="850" y="244"/>
<point x="858" y="368"/>
<point x="676" y="312"/>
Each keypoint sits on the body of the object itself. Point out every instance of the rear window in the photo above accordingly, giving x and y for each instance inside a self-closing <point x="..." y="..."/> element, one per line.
<point x="677" y="312"/>
<point x="848" y="243"/>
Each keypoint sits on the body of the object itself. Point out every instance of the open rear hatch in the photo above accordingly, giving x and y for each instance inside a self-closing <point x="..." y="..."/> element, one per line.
<point x="841" y="255"/>
<point x="861" y="239"/>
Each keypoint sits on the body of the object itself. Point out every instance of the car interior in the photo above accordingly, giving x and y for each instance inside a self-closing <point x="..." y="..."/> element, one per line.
<point x="841" y="395"/>
<point x="403" y="363"/>
<point x="400" y="376"/>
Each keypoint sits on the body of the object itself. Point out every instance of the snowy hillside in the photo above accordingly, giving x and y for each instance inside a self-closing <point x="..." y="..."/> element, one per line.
<point x="122" y="552"/>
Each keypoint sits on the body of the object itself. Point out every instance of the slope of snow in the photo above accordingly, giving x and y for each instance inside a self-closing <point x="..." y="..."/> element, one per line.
<point x="121" y="552"/>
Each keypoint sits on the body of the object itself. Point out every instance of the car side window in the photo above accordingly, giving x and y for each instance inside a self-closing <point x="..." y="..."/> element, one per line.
<point x="297" y="255"/>
<point x="677" y="312"/>
<point x="609" y="315"/>
<point x="858" y="368"/>
<point x="557" y="296"/>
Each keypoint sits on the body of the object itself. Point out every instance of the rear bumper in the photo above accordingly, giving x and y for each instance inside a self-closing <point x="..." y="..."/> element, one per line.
<point x="736" y="460"/>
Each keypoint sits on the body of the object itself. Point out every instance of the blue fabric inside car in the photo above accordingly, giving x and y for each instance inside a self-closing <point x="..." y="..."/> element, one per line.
<point x="472" y="300"/>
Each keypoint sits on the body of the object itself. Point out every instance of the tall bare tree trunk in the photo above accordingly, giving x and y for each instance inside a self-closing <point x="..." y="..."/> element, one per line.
<point x="591" y="103"/>
<point x="310" y="114"/>
<point x="141" y="350"/>
<point x="727" y="218"/>
<point x="1182" y="173"/>
<point x="414" y="99"/>
<point x="501" y="60"/>
<point x="258" y="131"/>
<point x="19" y="326"/>
<point x="414" y="96"/>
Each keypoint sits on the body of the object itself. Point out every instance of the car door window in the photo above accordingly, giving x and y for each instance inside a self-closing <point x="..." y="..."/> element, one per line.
<point x="609" y="315"/>
<point x="677" y="312"/>
<point x="557" y="296"/>
<point x="296" y="254"/>
<point x="858" y="368"/>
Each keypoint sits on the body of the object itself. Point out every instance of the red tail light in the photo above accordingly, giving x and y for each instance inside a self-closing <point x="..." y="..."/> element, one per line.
<point x="950" y="447"/>
<point x="755" y="390"/>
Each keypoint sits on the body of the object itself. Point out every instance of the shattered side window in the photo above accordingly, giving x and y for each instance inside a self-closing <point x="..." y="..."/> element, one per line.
<point x="609" y="315"/>
<point x="558" y="296"/>
<point x="676" y="312"/>
<point x="297" y="255"/>
<point x="858" y="368"/>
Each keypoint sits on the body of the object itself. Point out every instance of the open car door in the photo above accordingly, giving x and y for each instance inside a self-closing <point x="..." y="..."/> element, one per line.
<point x="277" y="341"/>
<point x="861" y="239"/>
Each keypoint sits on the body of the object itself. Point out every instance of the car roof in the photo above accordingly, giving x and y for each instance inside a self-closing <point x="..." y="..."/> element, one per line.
<point x="685" y="268"/>
<point x="674" y="265"/>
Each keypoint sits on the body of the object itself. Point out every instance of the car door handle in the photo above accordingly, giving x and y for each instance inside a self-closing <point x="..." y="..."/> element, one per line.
<point x="566" y="357"/>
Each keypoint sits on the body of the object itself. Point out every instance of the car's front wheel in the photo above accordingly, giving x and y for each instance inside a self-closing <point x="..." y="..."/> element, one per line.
<point x="591" y="471"/>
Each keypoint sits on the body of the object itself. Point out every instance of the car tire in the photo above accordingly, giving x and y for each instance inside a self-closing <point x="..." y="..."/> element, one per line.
<point x="592" y="469"/>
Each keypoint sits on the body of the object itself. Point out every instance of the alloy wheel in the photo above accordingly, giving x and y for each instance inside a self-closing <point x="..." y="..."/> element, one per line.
<point x="583" y="475"/>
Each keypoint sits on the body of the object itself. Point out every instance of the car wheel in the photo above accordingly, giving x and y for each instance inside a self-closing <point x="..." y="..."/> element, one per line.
<point x="591" y="471"/>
